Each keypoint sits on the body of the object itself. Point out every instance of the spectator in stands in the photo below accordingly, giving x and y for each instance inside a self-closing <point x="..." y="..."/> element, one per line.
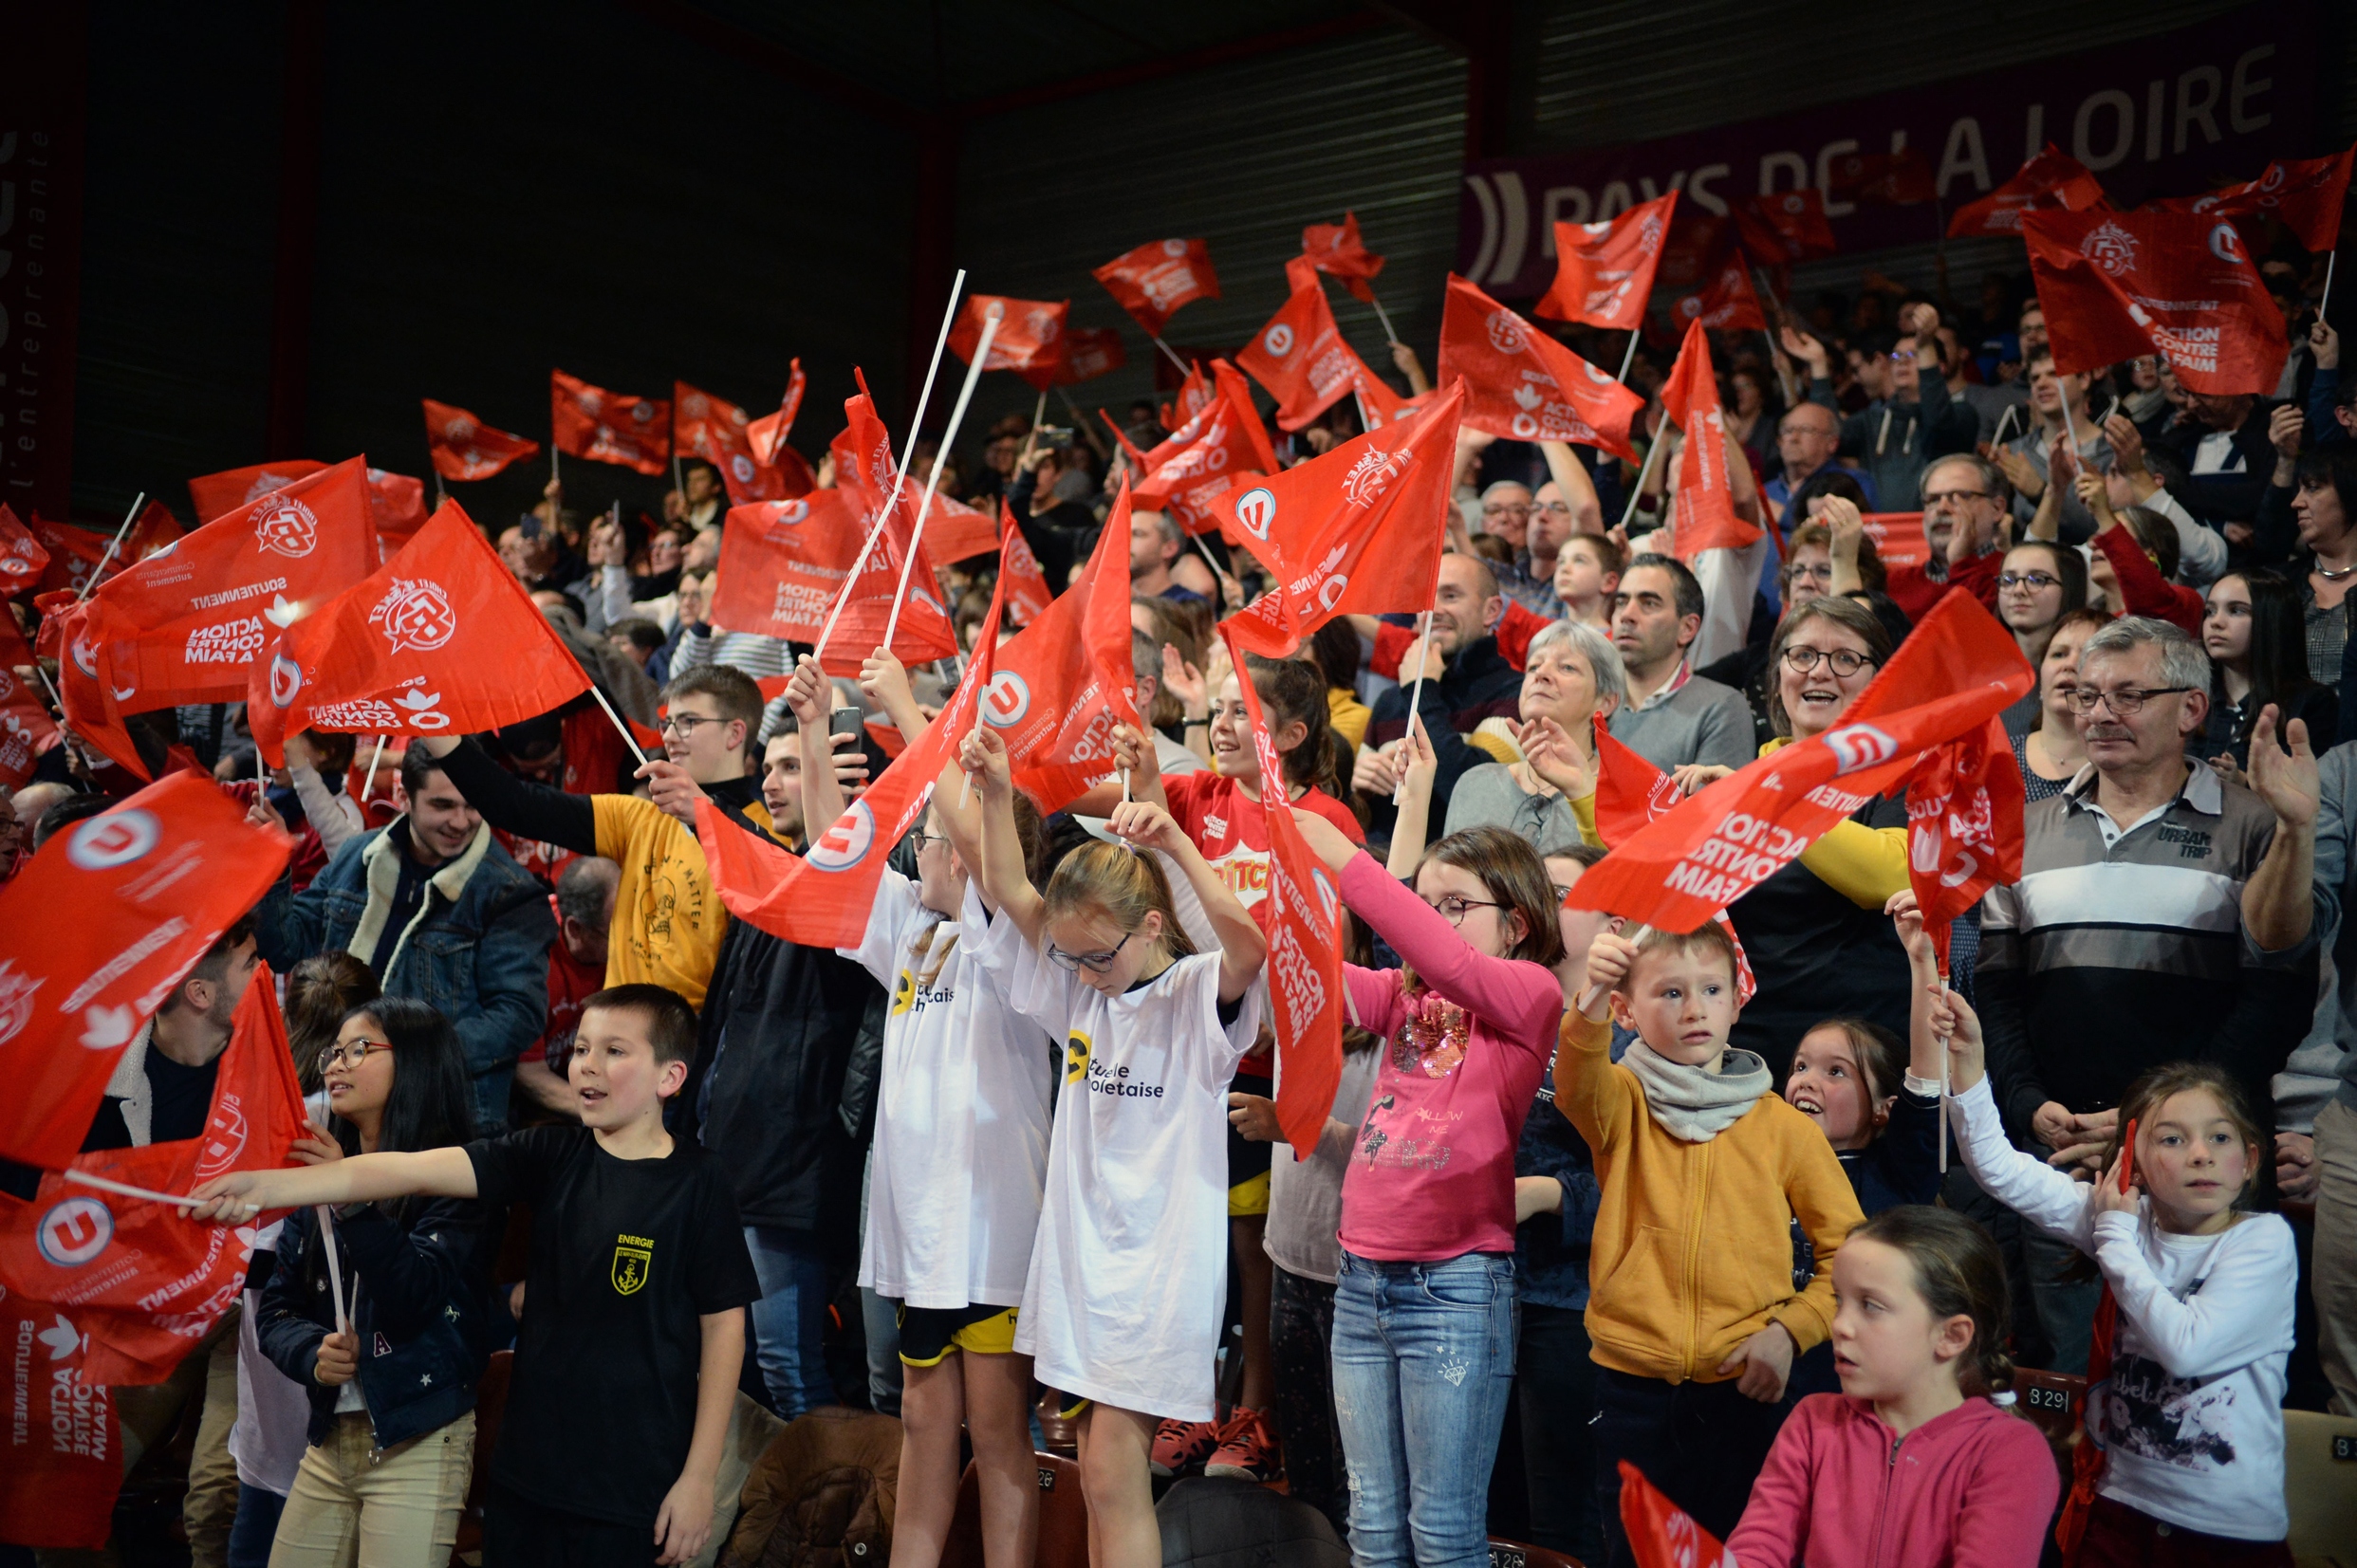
<point x="705" y="502"/>
<point x="1672" y="716"/>
<point x="539" y="557"/>
<point x="2058" y="405"/>
<point x="1572" y="676"/>
<point x="1964" y="499"/>
<point x="1807" y="438"/>
<point x="1466" y="678"/>
<point x="2223" y="445"/>
<point x="1155" y="543"/>
<point x="2258" y="652"/>
<point x="757" y="653"/>
<point x="1588" y="573"/>
<point x="1056" y="521"/>
<point x="1908" y="419"/>
<point x="12" y="851"/>
<point x="2309" y="514"/>
<point x="584" y="902"/>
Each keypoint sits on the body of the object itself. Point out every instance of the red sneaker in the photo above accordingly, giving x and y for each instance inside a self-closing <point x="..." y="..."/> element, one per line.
<point x="1182" y="1446"/>
<point x="1248" y="1448"/>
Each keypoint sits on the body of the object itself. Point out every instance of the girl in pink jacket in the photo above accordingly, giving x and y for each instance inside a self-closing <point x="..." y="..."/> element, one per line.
<point x="1910" y="1466"/>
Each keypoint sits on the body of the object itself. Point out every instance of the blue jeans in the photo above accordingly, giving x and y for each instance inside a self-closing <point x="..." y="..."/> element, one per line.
<point x="789" y="1321"/>
<point x="1424" y="1360"/>
<point x="256" y="1527"/>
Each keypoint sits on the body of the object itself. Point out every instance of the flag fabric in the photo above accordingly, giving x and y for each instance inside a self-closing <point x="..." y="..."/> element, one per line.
<point x="145" y="1283"/>
<point x="396" y="508"/>
<point x="1083" y="354"/>
<point x="155" y="528"/>
<point x="25" y="728"/>
<point x="1029" y="331"/>
<point x="1964" y="828"/>
<point x="217" y="494"/>
<point x="1193" y="393"/>
<point x="61" y="1463"/>
<point x="1901" y="179"/>
<point x="1028" y="594"/>
<point x="1229" y="382"/>
<point x="1661" y="1534"/>
<point x="24" y="559"/>
<point x="1301" y="358"/>
<point x="1379" y="404"/>
<point x="189" y="622"/>
<point x="865" y="466"/>
<point x="1153" y="281"/>
<point x="1786" y="227"/>
<point x="1336" y="250"/>
<point x="1631" y="793"/>
<point x="2306" y="193"/>
<point x="782" y="563"/>
<point x="1356" y="532"/>
<point x="74" y="556"/>
<point x="83" y="632"/>
<point x="1706" y="517"/>
<point x="1727" y="303"/>
<point x="440" y="639"/>
<point x="608" y="427"/>
<point x="1604" y="272"/>
<point x="1204" y="459"/>
<point x="1522" y="385"/>
<point x="959" y="532"/>
<point x="2051" y="180"/>
<point x="1955" y="671"/>
<point x="768" y="433"/>
<point x="151" y="884"/>
<point x="464" y="448"/>
<point x="718" y="432"/>
<point x="1302" y="920"/>
<point x="2118" y="284"/>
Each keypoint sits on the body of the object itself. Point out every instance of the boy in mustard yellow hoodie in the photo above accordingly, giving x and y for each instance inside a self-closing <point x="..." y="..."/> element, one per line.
<point x="1693" y="1320"/>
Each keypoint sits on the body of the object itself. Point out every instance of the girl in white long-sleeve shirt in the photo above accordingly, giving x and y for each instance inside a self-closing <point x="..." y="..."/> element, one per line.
<point x="2190" y="1421"/>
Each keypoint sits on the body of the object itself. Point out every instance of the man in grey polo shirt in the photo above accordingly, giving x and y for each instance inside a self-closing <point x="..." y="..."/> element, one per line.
<point x="1672" y="716"/>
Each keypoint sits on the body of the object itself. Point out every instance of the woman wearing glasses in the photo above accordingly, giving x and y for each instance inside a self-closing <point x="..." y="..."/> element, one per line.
<point x="2039" y="583"/>
<point x="392" y="1386"/>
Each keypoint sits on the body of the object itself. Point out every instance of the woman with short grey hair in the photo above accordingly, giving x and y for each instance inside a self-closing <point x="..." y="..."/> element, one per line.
<point x="1572" y="675"/>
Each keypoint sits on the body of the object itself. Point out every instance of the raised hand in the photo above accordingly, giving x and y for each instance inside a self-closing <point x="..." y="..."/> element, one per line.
<point x="808" y="694"/>
<point x="2286" y="780"/>
<point x="883" y="680"/>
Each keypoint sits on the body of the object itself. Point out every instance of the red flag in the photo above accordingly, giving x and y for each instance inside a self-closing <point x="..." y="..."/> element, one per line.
<point x="1706" y="517"/>
<point x="1335" y="249"/>
<point x="156" y="529"/>
<point x="145" y="1282"/>
<point x="768" y="433"/>
<point x="959" y="532"/>
<point x="1631" y="793"/>
<point x="1604" y="272"/>
<point x="1195" y="394"/>
<point x="1898" y="537"/>
<point x="1300" y="357"/>
<point x="1957" y="670"/>
<point x="1083" y="354"/>
<point x="1661" y="1534"/>
<point x="74" y="556"/>
<point x="2305" y="193"/>
<point x="718" y="432"/>
<point x="608" y="427"/>
<point x="440" y="639"/>
<point x="1522" y="385"/>
<point x="1698" y="242"/>
<point x="1378" y="405"/>
<point x="1901" y="179"/>
<point x="1964" y="831"/>
<point x="1028" y="594"/>
<point x="2051" y="180"/>
<point x="1787" y="226"/>
<point x="150" y="886"/>
<point x="822" y="899"/>
<point x="23" y="559"/>
<point x="1204" y="459"/>
<point x="395" y="506"/>
<point x="1229" y="383"/>
<point x="463" y="447"/>
<point x="60" y="1461"/>
<point x="1727" y="303"/>
<point x="865" y="466"/>
<point x="1153" y="281"/>
<point x="782" y="563"/>
<point x="186" y="624"/>
<point x="26" y="727"/>
<point x="2118" y="284"/>
<point x="1029" y="331"/>
<point x="83" y="630"/>
<point x="218" y="494"/>
<point x="1358" y="530"/>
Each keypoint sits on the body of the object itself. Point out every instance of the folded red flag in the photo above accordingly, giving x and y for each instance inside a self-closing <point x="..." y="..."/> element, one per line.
<point x="1787" y="226"/>
<point x="1726" y="303"/>
<point x="25" y="728"/>
<point x="145" y="1283"/>
<point x="768" y="433"/>
<point x="1356" y="532"/>
<point x="60" y="1460"/>
<point x="1379" y="404"/>
<point x="1522" y="385"/>
<point x="1965" y="829"/>
<point x="23" y="558"/>
<point x="1028" y="334"/>
<point x="74" y="555"/>
<point x="2305" y="193"/>
<point x="1336" y="250"/>
<point x="2053" y="180"/>
<point x="1028" y="594"/>
<point x="1631" y="793"/>
<point x="1883" y="179"/>
<point x="463" y="447"/>
<point x="1082" y="353"/>
<point x="1153" y="281"/>
<point x="608" y="427"/>
<point x="150" y="885"/>
<point x="959" y="532"/>
<point x="397" y="507"/>
<point x="782" y="563"/>
<point x="1604" y="272"/>
<point x="1229" y="382"/>
<point x="1203" y="460"/>
<point x="1300" y="357"/>
<point x="188" y="623"/>
<point x="217" y="494"/>
<point x="1706" y="517"/>
<point x="2118" y="284"/>
<point x="718" y="432"/>
<point x="84" y="631"/>
<point x="1955" y="671"/>
<point x="156" y="529"/>
<point x="1195" y="394"/>
<point x="1661" y="1534"/>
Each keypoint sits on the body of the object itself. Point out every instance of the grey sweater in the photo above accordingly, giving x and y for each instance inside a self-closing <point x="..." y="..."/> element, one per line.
<point x="1703" y="722"/>
<point x="1488" y="796"/>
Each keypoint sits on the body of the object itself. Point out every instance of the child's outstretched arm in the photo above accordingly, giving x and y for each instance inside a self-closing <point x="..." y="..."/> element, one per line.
<point x="1413" y="827"/>
<point x="1133" y="754"/>
<point x="883" y="680"/>
<point x="811" y="697"/>
<point x="684" y="1523"/>
<point x="1005" y="882"/>
<point x="1923" y="1044"/>
<point x="240" y="1195"/>
<point x="1242" y="948"/>
<point x="2023" y="1183"/>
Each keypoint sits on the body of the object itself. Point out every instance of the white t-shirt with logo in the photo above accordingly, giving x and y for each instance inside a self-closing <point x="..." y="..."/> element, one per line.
<point x="961" y="1116"/>
<point x="1128" y="1276"/>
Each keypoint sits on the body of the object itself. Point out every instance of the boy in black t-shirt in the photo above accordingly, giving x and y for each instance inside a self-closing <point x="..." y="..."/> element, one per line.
<point x="633" y="1330"/>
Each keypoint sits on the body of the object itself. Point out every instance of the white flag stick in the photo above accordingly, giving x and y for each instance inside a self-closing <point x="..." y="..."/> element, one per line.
<point x="2331" y="256"/>
<point x="111" y="545"/>
<point x="933" y="480"/>
<point x="623" y="730"/>
<point x="1416" y="694"/>
<point x="335" y="1270"/>
<point x="1183" y="368"/>
<point x="1389" y="336"/>
<point x="1629" y="359"/>
<point x="1946" y="1087"/>
<point x="108" y="1184"/>
<point x="1661" y="443"/>
<point x="678" y="482"/>
<point x="368" y="780"/>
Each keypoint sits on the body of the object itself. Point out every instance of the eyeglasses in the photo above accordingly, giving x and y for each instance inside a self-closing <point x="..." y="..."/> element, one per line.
<point x="1095" y="963"/>
<point x="921" y="839"/>
<point x="685" y="723"/>
<point x="1944" y="498"/>
<point x="1505" y="509"/>
<point x="2034" y="581"/>
<point x="1846" y="661"/>
<point x="1563" y="891"/>
<point x="352" y="1055"/>
<point x="1452" y="907"/>
<point x="2124" y="702"/>
<point x="1559" y="508"/>
<point x="1813" y="572"/>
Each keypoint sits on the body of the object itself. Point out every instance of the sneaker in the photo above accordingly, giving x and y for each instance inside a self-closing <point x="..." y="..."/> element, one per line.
<point x="1247" y="1450"/>
<point x="1182" y="1446"/>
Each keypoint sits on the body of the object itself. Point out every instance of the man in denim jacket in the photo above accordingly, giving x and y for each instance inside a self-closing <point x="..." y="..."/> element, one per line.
<point x="440" y="913"/>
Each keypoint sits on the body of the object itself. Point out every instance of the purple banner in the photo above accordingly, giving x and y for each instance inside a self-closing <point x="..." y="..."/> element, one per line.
<point x="2172" y="114"/>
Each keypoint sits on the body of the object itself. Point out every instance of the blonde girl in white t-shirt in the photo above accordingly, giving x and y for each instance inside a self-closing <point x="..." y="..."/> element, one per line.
<point x="1121" y="1308"/>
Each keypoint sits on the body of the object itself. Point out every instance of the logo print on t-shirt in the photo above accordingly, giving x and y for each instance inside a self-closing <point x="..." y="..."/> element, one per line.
<point x="634" y="1259"/>
<point x="1076" y="1057"/>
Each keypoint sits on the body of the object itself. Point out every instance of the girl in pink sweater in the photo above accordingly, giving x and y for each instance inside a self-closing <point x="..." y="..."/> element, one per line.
<point x="1424" y="1292"/>
<point x="1910" y="1466"/>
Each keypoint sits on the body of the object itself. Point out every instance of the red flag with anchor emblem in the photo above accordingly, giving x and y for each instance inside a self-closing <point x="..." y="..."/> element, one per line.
<point x="1604" y="272"/>
<point x="218" y="494"/>
<point x="26" y="727"/>
<point x="718" y="432"/>
<point x="1301" y="358"/>
<point x="23" y="558"/>
<point x="782" y="563"/>
<point x="1726" y="303"/>
<point x="464" y="448"/>
<point x="2305" y="193"/>
<point x="2119" y="285"/>
<point x="1336" y="250"/>
<point x="150" y="886"/>
<point x="608" y="427"/>
<point x="1029" y="331"/>
<point x="1787" y="226"/>
<point x="60" y="1460"/>
<point x="1522" y="385"/>
<point x="1957" y="670"/>
<point x="1706" y="517"/>
<point x="768" y="433"/>
<point x="1964" y="831"/>
<point x="1153" y="281"/>
<point x="142" y="1282"/>
<point x="440" y="639"/>
<point x="1358" y="530"/>
<point x="2051" y="180"/>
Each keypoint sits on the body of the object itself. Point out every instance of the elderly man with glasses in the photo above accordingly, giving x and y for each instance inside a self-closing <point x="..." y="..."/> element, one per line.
<point x="2161" y="916"/>
<point x="1964" y="499"/>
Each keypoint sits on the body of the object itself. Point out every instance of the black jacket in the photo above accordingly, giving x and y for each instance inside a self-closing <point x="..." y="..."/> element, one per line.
<point x="2219" y="499"/>
<point x="414" y="1289"/>
<point x="1479" y="685"/>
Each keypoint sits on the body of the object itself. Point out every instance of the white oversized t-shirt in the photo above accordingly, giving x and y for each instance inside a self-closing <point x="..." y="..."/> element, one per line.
<point x="961" y="1116"/>
<point x="1128" y="1275"/>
